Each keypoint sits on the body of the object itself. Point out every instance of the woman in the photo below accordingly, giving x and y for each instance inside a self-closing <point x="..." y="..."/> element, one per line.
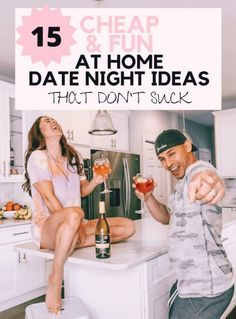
<point x="55" y="180"/>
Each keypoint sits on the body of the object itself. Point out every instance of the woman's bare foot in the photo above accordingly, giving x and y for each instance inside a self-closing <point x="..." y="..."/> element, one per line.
<point x="53" y="295"/>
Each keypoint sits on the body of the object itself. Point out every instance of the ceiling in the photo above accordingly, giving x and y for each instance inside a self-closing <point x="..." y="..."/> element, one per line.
<point x="7" y="64"/>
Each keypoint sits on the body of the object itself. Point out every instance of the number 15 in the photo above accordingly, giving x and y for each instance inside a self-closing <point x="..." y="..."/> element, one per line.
<point x="52" y="34"/>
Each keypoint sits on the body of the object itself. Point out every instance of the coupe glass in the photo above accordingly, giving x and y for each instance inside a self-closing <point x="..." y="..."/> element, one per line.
<point x="143" y="185"/>
<point x="102" y="167"/>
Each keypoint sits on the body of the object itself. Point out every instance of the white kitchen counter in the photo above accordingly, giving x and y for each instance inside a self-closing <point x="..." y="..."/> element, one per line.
<point x="133" y="283"/>
<point x="7" y="222"/>
<point x="149" y="241"/>
<point x="119" y="287"/>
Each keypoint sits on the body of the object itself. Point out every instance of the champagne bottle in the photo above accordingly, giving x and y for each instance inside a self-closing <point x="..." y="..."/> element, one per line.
<point x="102" y="234"/>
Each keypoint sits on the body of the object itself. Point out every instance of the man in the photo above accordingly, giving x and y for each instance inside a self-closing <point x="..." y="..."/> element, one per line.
<point x="204" y="286"/>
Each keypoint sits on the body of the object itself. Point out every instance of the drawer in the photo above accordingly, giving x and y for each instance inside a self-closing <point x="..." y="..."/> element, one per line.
<point x="158" y="270"/>
<point x="13" y="234"/>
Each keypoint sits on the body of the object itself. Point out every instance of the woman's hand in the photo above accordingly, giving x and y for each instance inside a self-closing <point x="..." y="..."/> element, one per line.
<point x="207" y="187"/>
<point x="87" y="187"/>
<point x="98" y="179"/>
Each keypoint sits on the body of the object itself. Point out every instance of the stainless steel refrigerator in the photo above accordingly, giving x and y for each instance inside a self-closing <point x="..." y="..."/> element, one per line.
<point x="122" y="201"/>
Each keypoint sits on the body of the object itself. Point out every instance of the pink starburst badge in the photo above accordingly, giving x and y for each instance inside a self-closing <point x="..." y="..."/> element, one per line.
<point x="46" y="35"/>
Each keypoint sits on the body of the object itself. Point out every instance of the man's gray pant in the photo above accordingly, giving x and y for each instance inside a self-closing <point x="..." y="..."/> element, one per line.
<point x="199" y="308"/>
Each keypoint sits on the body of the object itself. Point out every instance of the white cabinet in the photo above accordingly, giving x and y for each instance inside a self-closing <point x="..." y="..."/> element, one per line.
<point x="225" y="141"/>
<point x="139" y="292"/>
<point x="160" y="278"/>
<point x="229" y="243"/>
<point x="11" y="136"/>
<point x="118" y="141"/>
<point x="157" y="302"/>
<point x="22" y="275"/>
<point x="75" y="125"/>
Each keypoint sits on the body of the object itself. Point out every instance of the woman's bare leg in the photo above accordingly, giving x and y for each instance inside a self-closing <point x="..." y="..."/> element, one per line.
<point x="60" y="233"/>
<point x="120" y="229"/>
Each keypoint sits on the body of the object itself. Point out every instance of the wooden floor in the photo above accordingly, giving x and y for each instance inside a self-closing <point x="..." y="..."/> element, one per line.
<point x="18" y="312"/>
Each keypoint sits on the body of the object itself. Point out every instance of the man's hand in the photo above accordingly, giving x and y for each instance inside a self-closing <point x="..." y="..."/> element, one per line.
<point x="207" y="187"/>
<point x="140" y="195"/>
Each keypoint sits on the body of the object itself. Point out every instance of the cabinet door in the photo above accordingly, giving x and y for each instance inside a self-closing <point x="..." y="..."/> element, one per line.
<point x="20" y="273"/>
<point x="11" y="148"/>
<point x="15" y="152"/>
<point x="158" y="299"/>
<point x="118" y="141"/>
<point x="225" y="139"/>
<point x="2" y="137"/>
<point x="79" y="123"/>
<point x="30" y="272"/>
<point x="121" y="123"/>
<point x="75" y="125"/>
<point x="8" y="272"/>
<point x="158" y="306"/>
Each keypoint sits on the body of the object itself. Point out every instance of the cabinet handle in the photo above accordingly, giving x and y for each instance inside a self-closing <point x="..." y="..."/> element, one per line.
<point x="4" y="168"/>
<point x="113" y="143"/>
<point x="8" y="169"/>
<point x="22" y="233"/>
<point x="72" y="135"/>
<point x="224" y="239"/>
<point x="22" y="259"/>
<point x="68" y="134"/>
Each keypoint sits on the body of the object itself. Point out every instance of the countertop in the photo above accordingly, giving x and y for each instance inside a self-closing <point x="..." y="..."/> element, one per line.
<point x="149" y="241"/>
<point x="8" y="222"/>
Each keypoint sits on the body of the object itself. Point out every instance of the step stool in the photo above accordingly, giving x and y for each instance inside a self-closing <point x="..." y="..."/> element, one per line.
<point x="72" y="308"/>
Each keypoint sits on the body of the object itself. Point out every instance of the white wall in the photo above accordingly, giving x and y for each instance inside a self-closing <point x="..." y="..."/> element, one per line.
<point x="201" y="135"/>
<point x="13" y="192"/>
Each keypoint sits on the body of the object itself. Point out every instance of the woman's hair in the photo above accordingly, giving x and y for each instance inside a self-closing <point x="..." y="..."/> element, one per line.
<point x="36" y="141"/>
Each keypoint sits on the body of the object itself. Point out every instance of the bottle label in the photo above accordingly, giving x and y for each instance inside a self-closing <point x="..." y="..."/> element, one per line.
<point x="102" y="246"/>
<point x="102" y="243"/>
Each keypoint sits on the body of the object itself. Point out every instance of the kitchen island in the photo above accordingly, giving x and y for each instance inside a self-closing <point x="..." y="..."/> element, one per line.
<point x="133" y="283"/>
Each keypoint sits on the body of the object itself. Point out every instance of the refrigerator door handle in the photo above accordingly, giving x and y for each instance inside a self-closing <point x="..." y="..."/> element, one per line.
<point x="126" y="187"/>
<point x="123" y="198"/>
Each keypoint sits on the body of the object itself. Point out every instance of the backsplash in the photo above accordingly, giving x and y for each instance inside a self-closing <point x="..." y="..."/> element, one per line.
<point x="13" y="192"/>
<point x="230" y="193"/>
